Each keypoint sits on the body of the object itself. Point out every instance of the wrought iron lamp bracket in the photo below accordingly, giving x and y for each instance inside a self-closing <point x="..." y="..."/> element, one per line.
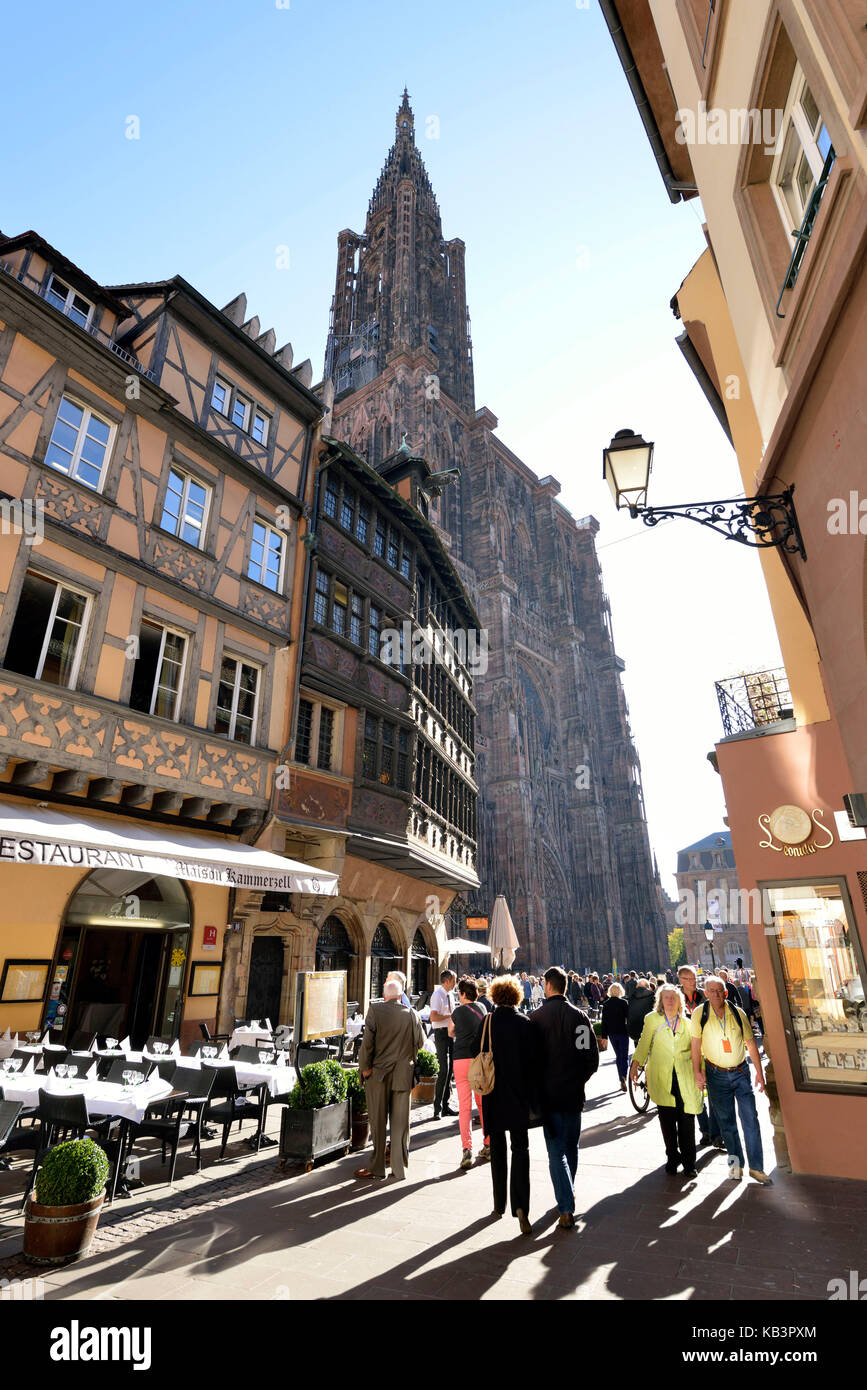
<point x="760" y="522"/>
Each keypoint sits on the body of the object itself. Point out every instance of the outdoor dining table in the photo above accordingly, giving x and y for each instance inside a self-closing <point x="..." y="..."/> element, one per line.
<point x="102" y="1098"/>
<point x="279" y="1077"/>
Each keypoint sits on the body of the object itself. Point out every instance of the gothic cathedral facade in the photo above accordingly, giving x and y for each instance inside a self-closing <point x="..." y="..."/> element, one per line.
<point x="561" y="826"/>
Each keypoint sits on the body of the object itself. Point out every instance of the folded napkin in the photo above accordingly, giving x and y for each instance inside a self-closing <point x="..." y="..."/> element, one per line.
<point x="93" y="1073"/>
<point x="31" y="1067"/>
<point x="6" y="1036"/>
<point x="125" y="1045"/>
<point x="267" y="1025"/>
<point x="175" y="1048"/>
<point x="224" y="1053"/>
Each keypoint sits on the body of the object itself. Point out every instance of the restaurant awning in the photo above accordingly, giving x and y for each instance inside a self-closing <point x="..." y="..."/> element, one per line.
<point x="50" y="838"/>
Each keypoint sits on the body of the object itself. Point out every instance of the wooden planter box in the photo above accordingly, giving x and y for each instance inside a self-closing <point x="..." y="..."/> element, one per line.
<point x="306" y="1135"/>
<point x="424" y="1091"/>
<point x="56" y="1235"/>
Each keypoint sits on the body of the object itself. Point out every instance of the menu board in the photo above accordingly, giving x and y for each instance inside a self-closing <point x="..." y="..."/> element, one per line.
<point x="320" y="1004"/>
<point x="24" y="981"/>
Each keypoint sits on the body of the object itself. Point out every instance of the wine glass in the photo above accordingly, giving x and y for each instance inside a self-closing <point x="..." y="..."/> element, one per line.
<point x="110" y="1044"/>
<point x="32" y="1037"/>
<point x="127" y="1076"/>
<point x="14" y="1063"/>
<point x="160" y="1048"/>
<point x="264" y="1057"/>
<point x="254" y="1023"/>
<point x="61" y="1070"/>
<point x="209" y="1052"/>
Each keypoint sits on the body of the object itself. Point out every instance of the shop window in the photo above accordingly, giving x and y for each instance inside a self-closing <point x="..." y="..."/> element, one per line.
<point x="159" y="671"/>
<point x="237" y="700"/>
<point x="80" y="443"/>
<point x="820" y="970"/>
<point x="47" y="638"/>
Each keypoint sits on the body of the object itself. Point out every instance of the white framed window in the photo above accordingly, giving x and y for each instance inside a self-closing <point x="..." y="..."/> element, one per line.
<point x="803" y="146"/>
<point x="47" y="637"/>
<point x="69" y="302"/>
<point x="237" y="700"/>
<point x="159" y="670"/>
<point x="80" y="443"/>
<point x="241" y="412"/>
<point x="319" y="735"/>
<point x="220" y="396"/>
<point x="185" y="507"/>
<point x="266" y="556"/>
<point x="259" y="429"/>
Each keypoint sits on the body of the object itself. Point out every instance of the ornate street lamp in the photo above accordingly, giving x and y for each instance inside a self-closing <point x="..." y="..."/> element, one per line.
<point x="760" y="522"/>
<point x="708" y="933"/>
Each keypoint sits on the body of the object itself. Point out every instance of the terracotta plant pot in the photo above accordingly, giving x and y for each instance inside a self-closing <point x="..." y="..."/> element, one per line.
<point x="360" y="1130"/>
<point x="425" y="1090"/>
<point x="56" y="1235"/>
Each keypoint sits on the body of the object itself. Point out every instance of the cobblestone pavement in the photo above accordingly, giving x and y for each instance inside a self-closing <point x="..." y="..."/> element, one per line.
<point x="242" y="1229"/>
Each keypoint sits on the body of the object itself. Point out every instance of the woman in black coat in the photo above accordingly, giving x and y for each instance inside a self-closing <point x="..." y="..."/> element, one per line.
<point x="512" y="1106"/>
<point x="615" y="1025"/>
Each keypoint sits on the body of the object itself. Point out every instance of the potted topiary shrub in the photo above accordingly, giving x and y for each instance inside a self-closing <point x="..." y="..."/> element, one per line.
<point x="358" y="1107"/>
<point x="426" y="1071"/>
<point x="59" y="1224"/>
<point x="316" y="1118"/>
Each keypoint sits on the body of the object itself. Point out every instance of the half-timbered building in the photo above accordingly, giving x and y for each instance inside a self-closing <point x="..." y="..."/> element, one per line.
<point x="379" y="787"/>
<point x="155" y="460"/>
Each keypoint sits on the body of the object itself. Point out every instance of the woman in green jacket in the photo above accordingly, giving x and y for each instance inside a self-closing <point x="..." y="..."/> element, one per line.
<point x="665" y="1048"/>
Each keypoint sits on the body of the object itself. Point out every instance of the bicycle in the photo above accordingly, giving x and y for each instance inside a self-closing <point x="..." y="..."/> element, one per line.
<point x="638" y="1092"/>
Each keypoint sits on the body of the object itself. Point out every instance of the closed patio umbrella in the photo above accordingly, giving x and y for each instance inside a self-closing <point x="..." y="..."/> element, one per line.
<point x="503" y="940"/>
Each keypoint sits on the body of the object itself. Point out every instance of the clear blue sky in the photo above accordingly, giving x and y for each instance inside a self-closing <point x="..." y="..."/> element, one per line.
<point x="263" y="127"/>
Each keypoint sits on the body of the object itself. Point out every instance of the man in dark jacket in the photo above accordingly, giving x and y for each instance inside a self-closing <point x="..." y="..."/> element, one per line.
<point x="570" y="1056"/>
<point x="639" y="1007"/>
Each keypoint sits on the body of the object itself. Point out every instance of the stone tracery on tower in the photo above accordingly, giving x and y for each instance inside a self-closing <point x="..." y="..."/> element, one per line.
<point x="571" y="852"/>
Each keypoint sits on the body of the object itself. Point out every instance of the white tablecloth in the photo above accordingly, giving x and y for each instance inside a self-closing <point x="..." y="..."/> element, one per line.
<point x="129" y="1103"/>
<point x="249" y="1037"/>
<point x="280" y="1077"/>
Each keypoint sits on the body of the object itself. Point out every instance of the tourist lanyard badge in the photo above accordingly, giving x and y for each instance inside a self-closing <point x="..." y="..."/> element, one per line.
<point x="726" y="1042"/>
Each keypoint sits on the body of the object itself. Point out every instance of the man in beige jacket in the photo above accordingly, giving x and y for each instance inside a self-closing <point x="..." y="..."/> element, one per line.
<point x="392" y="1037"/>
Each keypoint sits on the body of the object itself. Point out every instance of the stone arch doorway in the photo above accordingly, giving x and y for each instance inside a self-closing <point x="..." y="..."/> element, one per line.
<point x="335" y="951"/>
<point x="422" y="964"/>
<point x="265" y="983"/>
<point x="122" y="956"/>
<point x="384" y="957"/>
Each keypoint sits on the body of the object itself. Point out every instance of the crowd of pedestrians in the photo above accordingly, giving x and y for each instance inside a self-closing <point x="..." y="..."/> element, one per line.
<point x="522" y="1049"/>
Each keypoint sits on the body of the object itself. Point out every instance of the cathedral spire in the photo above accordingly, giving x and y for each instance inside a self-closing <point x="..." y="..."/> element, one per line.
<point x="405" y="123"/>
